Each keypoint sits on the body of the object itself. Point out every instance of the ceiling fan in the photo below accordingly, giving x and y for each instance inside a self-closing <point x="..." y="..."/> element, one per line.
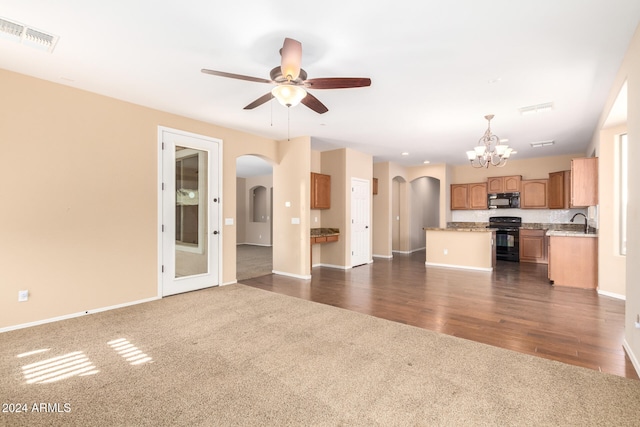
<point x="291" y="81"/>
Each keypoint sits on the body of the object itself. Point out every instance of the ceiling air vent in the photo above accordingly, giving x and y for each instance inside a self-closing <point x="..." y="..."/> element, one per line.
<point x="26" y="35"/>
<point x="538" y="108"/>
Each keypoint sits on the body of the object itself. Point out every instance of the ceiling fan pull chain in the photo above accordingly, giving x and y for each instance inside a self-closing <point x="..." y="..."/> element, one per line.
<point x="288" y="123"/>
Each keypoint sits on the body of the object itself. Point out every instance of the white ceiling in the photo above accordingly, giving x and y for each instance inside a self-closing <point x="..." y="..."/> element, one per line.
<point x="437" y="67"/>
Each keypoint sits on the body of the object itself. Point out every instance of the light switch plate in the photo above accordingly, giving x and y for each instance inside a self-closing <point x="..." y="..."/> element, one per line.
<point x="228" y="221"/>
<point x="295" y="220"/>
<point x="23" y="296"/>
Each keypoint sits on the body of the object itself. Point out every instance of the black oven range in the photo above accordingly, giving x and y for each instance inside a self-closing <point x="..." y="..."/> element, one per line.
<point x="507" y="237"/>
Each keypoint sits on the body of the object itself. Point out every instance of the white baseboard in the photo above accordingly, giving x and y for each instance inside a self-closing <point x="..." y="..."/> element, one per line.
<point x="411" y="251"/>
<point x="297" y="276"/>
<point x="253" y="244"/>
<point x="612" y="295"/>
<point x="233" y="282"/>
<point x="339" y="267"/>
<point x="632" y="356"/>
<point x="71" y="316"/>
<point x="458" y="267"/>
<point x="383" y="256"/>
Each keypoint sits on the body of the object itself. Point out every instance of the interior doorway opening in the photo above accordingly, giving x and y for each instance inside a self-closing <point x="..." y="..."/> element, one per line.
<point x="254" y="217"/>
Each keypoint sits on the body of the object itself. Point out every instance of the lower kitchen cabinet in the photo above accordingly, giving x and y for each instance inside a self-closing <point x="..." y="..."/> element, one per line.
<point x="533" y="246"/>
<point x="573" y="261"/>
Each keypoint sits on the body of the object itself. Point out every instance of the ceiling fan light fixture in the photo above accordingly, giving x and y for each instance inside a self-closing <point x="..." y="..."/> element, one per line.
<point x="289" y="95"/>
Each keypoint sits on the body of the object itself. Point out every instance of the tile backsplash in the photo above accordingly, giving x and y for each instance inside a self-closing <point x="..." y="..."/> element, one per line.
<point x="542" y="216"/>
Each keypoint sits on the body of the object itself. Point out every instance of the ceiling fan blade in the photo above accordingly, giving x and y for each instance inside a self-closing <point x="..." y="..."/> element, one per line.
<point x="337" y="82"/>
<point x="313" y="103"/>
<point x="258" y="102"/>
<point x="235" y="76"/>
<point x="291" y="53"/>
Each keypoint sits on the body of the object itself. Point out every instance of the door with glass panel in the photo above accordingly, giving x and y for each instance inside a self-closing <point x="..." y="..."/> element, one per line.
<point x="191" y="206"/>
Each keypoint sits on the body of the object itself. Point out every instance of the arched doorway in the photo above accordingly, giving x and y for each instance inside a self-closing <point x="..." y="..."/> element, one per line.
<point x="254" y="217"/>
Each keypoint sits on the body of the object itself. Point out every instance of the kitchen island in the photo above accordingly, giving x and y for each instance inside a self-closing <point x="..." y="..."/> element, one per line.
<point x="466" y="248"/>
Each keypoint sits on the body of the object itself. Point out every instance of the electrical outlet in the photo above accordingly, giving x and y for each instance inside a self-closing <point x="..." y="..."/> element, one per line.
<point x="638" y="321"/>
<point x="23" y="296"/>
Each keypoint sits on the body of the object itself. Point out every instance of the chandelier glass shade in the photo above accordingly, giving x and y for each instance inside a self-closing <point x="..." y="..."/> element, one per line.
<point x="489" y="150"/>
<point x="288" y="95"/>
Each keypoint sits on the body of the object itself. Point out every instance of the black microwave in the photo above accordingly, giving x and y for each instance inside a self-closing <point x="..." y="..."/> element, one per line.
<point x="503" y="200"/>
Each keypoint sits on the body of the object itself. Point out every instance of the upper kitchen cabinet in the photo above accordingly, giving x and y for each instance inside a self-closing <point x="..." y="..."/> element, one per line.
<point x="320" y="191"/>
<point x="469" y="196"/>
<point x="559" y="190"/>
<point x="504" y="184"/>
<point x="584" y="181"/>
<point x="459" y="196"/>
<point x="533" y="194"/>
<point x="478" y="196"/>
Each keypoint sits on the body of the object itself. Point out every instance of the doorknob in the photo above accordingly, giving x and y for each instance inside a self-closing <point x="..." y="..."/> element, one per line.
<point x="215" y="232"/>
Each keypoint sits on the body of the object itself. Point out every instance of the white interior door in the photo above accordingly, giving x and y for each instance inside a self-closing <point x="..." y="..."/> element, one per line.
<point x="360" y="220"/>
<point x="190" y="219"/>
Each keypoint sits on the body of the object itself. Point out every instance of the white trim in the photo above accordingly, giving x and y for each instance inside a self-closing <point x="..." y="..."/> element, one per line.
<point x="459" y="267"/>
<point x="411" y="251"/>
<point x="254" y="244"/>
<point x="71" y="316"/>
<point x="634" y="360"/>
<point x="215" y="191"/>
<point x="612" y="295"/>
<point x="383" y="256"/>
<point x="297" y="276"/>
<point x="339" y="267"/>
<point x="233" y="282"/>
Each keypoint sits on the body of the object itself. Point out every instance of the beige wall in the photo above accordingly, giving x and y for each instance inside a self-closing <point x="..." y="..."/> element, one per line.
<point x="534" y="168"/>
<point x="381" y="236"/>
<point x="256" y="233"/>
<point x="629" y="72"/>
<point x="79" y="227"/>
<point x="291" y="201"/>
<point x="612" y="266"/>
<point x="460" y="249"/>
<point x="342" y="164"/>
<point x="394" y="200"/>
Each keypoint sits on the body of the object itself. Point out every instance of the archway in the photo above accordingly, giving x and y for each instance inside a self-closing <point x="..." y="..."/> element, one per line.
<point x="254" y="217"/>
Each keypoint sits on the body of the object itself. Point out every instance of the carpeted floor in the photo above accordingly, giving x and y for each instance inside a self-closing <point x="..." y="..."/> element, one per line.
<point x="236" y="355"/>
<point x="253" y="261"/>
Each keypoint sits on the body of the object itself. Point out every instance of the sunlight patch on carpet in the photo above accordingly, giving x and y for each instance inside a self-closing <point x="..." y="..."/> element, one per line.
<point x="57" y="368"/>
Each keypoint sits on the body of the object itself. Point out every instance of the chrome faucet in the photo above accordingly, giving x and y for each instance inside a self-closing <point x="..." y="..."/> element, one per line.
<point x="586" y="225"/>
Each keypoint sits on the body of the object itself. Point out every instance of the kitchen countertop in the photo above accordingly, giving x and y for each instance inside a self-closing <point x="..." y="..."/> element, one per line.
<point x="478" y="229"/>
<point x="565" y="233"/>
<point x="320" y="232"/>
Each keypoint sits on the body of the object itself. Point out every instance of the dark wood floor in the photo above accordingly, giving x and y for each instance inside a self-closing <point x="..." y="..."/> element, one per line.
<point x="514" y="307"/>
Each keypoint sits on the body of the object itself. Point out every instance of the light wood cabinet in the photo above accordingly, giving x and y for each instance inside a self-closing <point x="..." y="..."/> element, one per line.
<point x="533" y="194"/>
<point x="584" y="181"/>
<point x="320" y="191"/>
<point x="478" y="196"/>
<point x="504" y="184"/>
<point x="469" y="196"/>
<point x="573" y="261"/>
<point x="533" y="246"/>
<point x="459" y="196"/>
<point x="559" y="189"/>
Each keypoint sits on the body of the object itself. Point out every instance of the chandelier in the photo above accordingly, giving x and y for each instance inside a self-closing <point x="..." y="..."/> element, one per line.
<point x="489" y="151"/>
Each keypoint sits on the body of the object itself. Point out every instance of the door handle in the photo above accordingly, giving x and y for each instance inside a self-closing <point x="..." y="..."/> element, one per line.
<point x="215" y="232"/>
